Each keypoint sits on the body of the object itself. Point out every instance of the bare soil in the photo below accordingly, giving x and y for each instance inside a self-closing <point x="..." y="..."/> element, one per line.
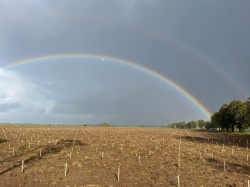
<point x="144" y="157"/>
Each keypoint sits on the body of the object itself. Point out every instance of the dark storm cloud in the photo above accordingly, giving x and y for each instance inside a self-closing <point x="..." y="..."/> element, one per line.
<point x="89" y="27"/>
<point x="194" y="43"/>
<point x="123" y="108"/>
<point x="125" y="97"/>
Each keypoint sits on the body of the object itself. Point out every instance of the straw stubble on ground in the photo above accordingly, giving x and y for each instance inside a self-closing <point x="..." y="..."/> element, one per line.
<point x="121" y="157"/>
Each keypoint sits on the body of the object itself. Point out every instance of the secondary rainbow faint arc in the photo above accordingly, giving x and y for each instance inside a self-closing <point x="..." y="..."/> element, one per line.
<point x="181" y="90"/>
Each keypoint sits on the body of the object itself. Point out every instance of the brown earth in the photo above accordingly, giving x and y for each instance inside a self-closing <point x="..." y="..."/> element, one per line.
<point x="144" y="156"/>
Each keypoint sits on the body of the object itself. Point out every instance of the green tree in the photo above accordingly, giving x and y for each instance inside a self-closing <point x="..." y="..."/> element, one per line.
<point x="247" y="114"/>
<point x="211" y="125"/>
<point x="179" y="125"/>
<point x="104" y="125"/>
<point x="192" y="124"/>
<point x="236" y="113"/>
<point x="218" y="120"/>
<point x="182" y="125"/>
<point x="201" y="123"/>
<point x="222" y="118"/>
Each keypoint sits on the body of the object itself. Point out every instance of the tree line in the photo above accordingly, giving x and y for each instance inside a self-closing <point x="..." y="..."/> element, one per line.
<point x="232" y="116"/>
<point x="189" y="125"/>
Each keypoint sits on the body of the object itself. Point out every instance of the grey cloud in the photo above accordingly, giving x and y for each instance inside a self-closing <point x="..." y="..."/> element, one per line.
<point x="170" y="37"/>
<point x="7" y="107"/>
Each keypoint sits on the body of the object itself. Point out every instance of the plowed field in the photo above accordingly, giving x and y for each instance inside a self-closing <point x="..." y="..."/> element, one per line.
<point x="96" y="156"/>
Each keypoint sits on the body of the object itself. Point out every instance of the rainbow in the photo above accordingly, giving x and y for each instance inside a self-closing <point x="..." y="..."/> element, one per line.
<point x="194" y="53"/>
<point x="144" y="69"/>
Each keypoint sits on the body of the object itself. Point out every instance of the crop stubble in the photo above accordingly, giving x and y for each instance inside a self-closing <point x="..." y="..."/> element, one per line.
<point x="98" y="156"/>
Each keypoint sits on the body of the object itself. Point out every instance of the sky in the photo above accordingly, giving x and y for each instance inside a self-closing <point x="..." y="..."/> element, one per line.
<point x="140" y="62"/>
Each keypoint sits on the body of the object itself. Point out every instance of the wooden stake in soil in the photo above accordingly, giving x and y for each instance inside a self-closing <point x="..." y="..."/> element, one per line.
<point x="66" y="170"/>
<point x="70" y="154"/>
<point x="102" y="155"/>
<point x="22" y="166"/>
<point x="178" y="180"/>
<point x="118" y="174"/>
<point x="248" y="183"/>
<point x="13" y="151"/>
<point x="139" y="159"/>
